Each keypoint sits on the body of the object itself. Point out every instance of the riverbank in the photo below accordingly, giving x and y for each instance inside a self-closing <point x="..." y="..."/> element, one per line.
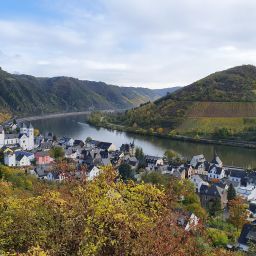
<point x="55" y="115"/>
<point x="224" y="142"/>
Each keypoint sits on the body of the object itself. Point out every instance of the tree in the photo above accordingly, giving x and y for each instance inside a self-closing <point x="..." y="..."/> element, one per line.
<point x="57" y="152"/>
<point x="231" y="192"/>
<point x="88" y="140"/>
<point x="156" y="178"/>
<point x="170" y="154"/>
<point x="214" y="207"/>
<point x="237" y="212"/>
<point x="126" y="172"/>
<point x="139" y="153"/>
<point x="36" y="132"/>
<point x="218" y="237"/>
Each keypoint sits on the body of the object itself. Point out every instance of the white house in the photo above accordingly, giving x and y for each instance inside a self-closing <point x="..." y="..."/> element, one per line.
<point x="197" y="159"/>
<point x="248" y="192"/>
<point x="93" y="172"/>
<point x="22" y="160"/>
<point x="198" y="182"/>
<point x="216" y="172"/>
<point x="10" y="159"/>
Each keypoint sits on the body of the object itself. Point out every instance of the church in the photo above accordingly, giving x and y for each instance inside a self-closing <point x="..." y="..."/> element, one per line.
<point x="25" y="137"/>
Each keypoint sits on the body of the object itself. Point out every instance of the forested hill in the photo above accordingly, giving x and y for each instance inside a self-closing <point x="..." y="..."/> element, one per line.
<point x="235" y="84"/>
<point x="225" y="99"/>
<point x="23" y="94"/>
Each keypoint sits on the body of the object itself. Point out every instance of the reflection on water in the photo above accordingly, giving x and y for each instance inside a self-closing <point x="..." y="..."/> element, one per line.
<point x="76" y="127"/>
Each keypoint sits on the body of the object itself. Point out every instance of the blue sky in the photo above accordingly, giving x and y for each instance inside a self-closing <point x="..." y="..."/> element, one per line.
<point x="149" y="43"/>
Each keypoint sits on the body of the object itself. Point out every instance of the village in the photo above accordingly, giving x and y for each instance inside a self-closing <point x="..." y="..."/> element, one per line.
<point x="24" y="148"/>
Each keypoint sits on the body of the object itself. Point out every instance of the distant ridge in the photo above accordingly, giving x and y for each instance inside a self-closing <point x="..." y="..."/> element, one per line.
<point x="26" y="95"/>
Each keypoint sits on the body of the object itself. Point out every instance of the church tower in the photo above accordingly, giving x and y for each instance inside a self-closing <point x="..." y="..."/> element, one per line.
<point x="1" y="136"/>
<point x="30" y="134"/>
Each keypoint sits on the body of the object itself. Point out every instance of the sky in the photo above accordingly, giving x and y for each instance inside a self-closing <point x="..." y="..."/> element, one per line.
<point x="149" y="43"/>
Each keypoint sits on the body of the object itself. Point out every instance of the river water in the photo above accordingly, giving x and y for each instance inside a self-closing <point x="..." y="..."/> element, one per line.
<point x="77" y="128"/>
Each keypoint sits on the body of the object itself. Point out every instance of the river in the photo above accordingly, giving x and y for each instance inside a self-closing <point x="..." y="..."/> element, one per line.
<point x="76" y="127"/>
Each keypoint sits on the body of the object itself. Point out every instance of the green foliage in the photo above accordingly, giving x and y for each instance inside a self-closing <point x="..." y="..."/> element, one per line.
<point x="218" y="237"/>
<point x="57" y="152"/>
<point x="170" y="154"/>
<point x="156" y="178"/>
<point x="231" y="192"/>
<point x="214" y="207"/>
<point x="102" y="217"/>
<point x="126" y="172"/>
<point x="17" y="178"/>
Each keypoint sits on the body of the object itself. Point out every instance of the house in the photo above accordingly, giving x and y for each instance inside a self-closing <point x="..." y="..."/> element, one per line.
<point x="78" y="143"/>
<point x="29" y="155"/>
<point x="110" y="147"/>
<point x="18" y="158"/>
<point x="71" y="153"/>
<point x="43" y="157"/>
<point x="42" y="170"/>
<point x="128" y="149"/>
<point x="55" y="176"/>
<point x="216" y="172"/>
<point x="209" y="194"/>
<point x="93" y="172"/>
<point x="236" y="174"/>
<point x="10" y="159"/>
<point x="188" y="221"/>
<point x="183" y="172"/>
<point x="200" y="165"/>
<point x="247" y="192"/>
<point x="153" y="162"/>
<point x="247" y="236"/>
<point x="198" y="182"/>
<point x="197" y="159"/>
<point x="22" y="160"/>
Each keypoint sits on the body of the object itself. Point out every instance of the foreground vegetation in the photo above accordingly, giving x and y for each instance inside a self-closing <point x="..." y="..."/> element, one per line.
<point x="103" y="217"/>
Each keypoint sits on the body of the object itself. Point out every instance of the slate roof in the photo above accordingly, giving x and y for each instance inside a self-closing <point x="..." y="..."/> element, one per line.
<point x="78" y="142"/>
<point x="11" y="136"/>
<point x="42" y="154"/>
<point x="1" y="128"/>
<point x="104" y="145"/>
<point x="236" y="173"/>
<point x="215" y="170"/>
<point x="248" y="233"/>
<point x="212" y="190"/>
<point x="23" y="153"/>
<point x="19" y="157"/>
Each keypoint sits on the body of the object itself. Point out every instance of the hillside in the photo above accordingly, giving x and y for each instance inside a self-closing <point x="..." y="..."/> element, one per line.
<point x="229" y="94"/>
<point x="24" y="95"/>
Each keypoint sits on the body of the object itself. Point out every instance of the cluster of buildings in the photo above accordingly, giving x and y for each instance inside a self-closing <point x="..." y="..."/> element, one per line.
<point x="211" y="179"/>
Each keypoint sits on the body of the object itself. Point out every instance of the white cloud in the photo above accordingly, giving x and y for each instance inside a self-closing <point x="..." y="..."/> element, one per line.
<point x="153" y="43"/>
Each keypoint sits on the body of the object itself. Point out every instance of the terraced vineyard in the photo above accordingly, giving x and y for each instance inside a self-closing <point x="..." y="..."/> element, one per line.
<point x="222" y="109"/>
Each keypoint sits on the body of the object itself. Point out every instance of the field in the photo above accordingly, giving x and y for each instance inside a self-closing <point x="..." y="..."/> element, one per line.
<point x="209" y="124"/>
<point x="222" y="109"/>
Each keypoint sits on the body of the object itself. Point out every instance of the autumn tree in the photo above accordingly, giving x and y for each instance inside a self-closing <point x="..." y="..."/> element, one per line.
<point x="237" y="212"/>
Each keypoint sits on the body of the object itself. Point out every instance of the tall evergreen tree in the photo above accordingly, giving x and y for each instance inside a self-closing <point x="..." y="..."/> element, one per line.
<point x="231" y="192"/>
